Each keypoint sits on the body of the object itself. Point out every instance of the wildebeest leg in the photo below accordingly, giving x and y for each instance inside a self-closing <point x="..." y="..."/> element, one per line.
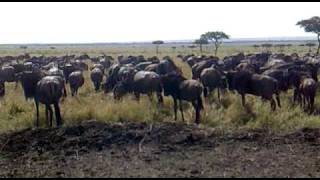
<point x="175" y="107"/>
<point x="205" y="91"/>
<point x="64" y="91"/>
<point x="72" y="91"/>
<point x="50" y="113"/>
<point x="160" y="98"/>
<point x="196" y="107"/>
<point x="219" y="95"/>
<point x="16" y="86"/>
<point x="273" y="104"/>
<point x="294" y="95"/>
<point x="37" y="107"/>
<point x="278" y="99"/>
<point x="137" y="95"/>
<point x="150" y="96"/>
<point x="58" y="115"/>
<point x="181" y="110"/>
<point x="243" y="99"/>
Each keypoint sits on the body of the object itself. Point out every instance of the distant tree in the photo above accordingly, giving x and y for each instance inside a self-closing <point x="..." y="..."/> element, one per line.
<point x="216" y="37"/>
<point x="301" y="45"/>
<point x="52" y="47"/>
<point x="310" y="45"/>
<point x="173" y="48"/>
<point x="312" y="25"/>
<point x="281" y="47"/>
<point x="256" y="46"/>
<point x="201" y="41"/>
<point x="24" y="48"/>
<point x="267" y="46"/>
<point x="157" y="43"/>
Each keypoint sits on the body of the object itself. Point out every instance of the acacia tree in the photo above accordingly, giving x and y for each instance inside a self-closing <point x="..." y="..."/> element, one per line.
<point x="157" y="43"/>
<point x="267" y="46"/>
<point x="256" y="46"/>
<point x="216" y="37"/>
<point x="202" y="40"/>
<point x="312" y="25"/>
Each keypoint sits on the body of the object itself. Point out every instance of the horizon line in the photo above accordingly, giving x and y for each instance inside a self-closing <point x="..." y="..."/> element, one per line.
<point x="248" y="39"/>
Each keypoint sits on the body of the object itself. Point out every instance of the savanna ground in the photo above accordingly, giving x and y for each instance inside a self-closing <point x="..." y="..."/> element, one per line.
<point x="136" y="139"/>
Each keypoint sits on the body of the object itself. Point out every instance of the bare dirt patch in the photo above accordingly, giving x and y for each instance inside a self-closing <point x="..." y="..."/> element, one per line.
<point x="94" y="149"/>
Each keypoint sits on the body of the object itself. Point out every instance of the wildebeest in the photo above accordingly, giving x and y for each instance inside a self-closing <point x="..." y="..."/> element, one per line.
<point x="307" y="90"/>
<point x="96" y="76"/>
<point x="55" y="71"/>
<point x="198" y="67"/>
<point x="48" y="92"/>
<point x="67" y="70"/>
<point x="76" y="80"/>
<point x="29" y="80"/>
<point x="180" y="88"/>
<point x="7" y="74"/>
<point x="212" y="78"/>
<point x="259" y="85"/>
<point x="144" y="82"/>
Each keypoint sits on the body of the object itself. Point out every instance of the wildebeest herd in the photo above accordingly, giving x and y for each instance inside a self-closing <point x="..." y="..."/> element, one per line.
<point x="266" y="75"/>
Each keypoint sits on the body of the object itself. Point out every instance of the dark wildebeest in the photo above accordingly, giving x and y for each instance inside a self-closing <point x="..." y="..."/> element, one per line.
<point x="259" y="85"/>
<point x="212" y="78"/>
<point x="144" y="82"/>
<point x="179" y="88"/>
<point x="198" y="67"/>
<point x="307" y="90"/>
<point x="67" y="70"/>
<point x="167" y="66"/>
<point x="96" y="78"/>
<point x="29" y="80"/>
<point x="282" y="76"/>
<point x="7" y="74"/>
<point x="55" y="71"/>
<point x="76" y="80"/>
<point x="48" y="92"/>
<point x="98" y="65"/>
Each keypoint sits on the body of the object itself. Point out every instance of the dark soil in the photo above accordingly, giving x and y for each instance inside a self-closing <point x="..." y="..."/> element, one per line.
<point x="95" y="149"/>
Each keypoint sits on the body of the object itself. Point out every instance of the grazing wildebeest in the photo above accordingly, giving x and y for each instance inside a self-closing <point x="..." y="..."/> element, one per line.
<point x="180" y="88"/>
<point x="144" y="82"/>
<point x="212" y="78"/>
<point x="76" y="80"/>
<point x="259" y="85"/>
<point x="67" y="70"/>
<point x="307" y="90"/>
<point x="96" y="77"/>
<point x="48" y="92"/>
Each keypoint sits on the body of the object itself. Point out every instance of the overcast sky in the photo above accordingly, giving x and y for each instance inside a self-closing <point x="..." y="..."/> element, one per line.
<point x="120" y="22"/>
